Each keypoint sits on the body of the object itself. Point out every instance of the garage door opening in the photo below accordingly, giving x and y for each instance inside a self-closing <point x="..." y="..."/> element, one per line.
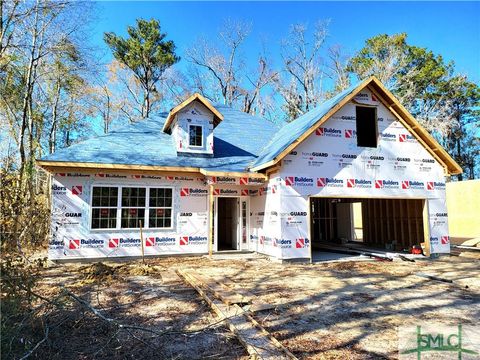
<point x="383" y="224"/>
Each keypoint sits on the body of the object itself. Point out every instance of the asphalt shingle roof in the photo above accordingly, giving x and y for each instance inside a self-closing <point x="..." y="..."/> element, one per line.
<point x="238" y="140"/>
<point x="241" y="141"/>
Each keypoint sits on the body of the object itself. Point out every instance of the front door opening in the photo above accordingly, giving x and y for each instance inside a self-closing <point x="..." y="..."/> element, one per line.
<point x="227" y="223"/>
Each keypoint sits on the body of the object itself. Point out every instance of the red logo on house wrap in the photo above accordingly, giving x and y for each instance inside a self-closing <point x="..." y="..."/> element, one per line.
<point x="150" y="241"/>
<point x="445" y="240"/>
<point x="319" y="131"/>
<point x="136" y="176"/>
<point x="77" y="190"/>
<point x="169" y="177"/>
<point x="321" y="182"/>
<point x="184" y="192"/>
<point x="402" y="137"/>
<point x="113" y="243"/>
<point x="405" y="184"/>
<point x="262" y="239"/>
<point x="214" y="179"/>
<point x="61" y="174"/>
<point x="74" y="244"/>
<point x="348" y="134"/>
<point x="378" y="184"/>
<point x="274" y="189"/>
<point x="183" y="240"/>
<point x="289" y="180"/>
<point x="351" y="183"/>
<point x="244" y="192"/>
<point x="300" y="243"/>
<point x="430" y="185"/>
<point x="243" y="181"/>
<point x="216" y="191"/>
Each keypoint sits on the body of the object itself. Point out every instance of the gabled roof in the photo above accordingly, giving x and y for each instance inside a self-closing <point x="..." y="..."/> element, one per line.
<point x="295" y="132"/>
<point x="143" y="146"/>
<point x="217" y="116"/>
<point x="242" y="142"/>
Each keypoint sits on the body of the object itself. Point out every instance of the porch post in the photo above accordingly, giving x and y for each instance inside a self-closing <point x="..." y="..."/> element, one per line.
<point x="210" y="220"/>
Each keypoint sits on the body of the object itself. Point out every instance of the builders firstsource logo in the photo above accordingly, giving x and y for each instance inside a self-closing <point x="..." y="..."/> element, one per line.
<point x="249" y="181"/>
<point x="298" y="181"/>
<point x="282" y="243"/>
<point x="386" y="136"/>
<point x="386" y="184"/>
<point x="434" y="185"/>
<point x="413" y="184"/>
<point x="350" y="134"/>
<point x="331" y="132"/>
<point x="442" y="240"/>
<point x="193" y="192"/>
<point x="160" y="241"/>
<point x="223" y="180"/>
<point x="124" y="242"/>
<point x="329" y="182"/>
<point x="76" y="244"/>
<point x="219" y="192"/>
<point x="193" y="240"/>
<point x="404" y="138"/>
<point x="301" y="243"/>
<point x="359" y="183"/>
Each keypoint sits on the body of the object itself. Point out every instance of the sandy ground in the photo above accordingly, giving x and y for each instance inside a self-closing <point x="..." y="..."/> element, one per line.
<point x="348" y="310"/>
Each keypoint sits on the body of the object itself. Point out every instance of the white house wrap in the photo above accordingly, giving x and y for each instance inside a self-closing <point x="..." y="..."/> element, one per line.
<point x="274" y="190"/>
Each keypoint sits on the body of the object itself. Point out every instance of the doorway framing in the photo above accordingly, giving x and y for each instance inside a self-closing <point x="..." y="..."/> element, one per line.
<point x="241" y="246"/>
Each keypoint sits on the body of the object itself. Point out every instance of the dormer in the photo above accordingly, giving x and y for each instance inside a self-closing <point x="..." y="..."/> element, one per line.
<point x="191" y="125"/>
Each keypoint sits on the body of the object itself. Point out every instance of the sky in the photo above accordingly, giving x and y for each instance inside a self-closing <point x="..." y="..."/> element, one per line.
<point x="451" y="29"/>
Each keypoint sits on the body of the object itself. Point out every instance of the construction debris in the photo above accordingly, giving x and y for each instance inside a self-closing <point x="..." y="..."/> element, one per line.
<point x="259" y="343"/>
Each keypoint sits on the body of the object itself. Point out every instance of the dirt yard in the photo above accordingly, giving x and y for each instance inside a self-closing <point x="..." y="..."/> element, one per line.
<point x="323" y="311"/>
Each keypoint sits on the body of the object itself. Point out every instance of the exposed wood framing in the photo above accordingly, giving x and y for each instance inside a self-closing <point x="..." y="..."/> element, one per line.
<point x="234" y="174"/>
<point x="210" y="220"/>
<point x="61" y="166"/>
<point x="54" y="166"/>
<point x="385" y="221"/>
<point x="426" y="228"/>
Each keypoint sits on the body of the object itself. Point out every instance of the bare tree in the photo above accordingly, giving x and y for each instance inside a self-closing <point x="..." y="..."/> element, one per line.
<point x="337" y="68"/>
<point x="302" y="75"/>
<point x="222" y="67"/>
<point x="220" y="73"/>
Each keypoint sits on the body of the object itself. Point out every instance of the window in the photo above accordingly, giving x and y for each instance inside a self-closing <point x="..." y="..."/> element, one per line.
<point x="367" y="132"/>
<point x="160" y="212"/>
<point x="195" y="135"/>
<point x="104" y="207"/>
<point x="131" y="207"/>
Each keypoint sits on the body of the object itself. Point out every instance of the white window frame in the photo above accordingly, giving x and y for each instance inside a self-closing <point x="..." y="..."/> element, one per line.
<point x="195" y="146"/>
<point x="146" y="226"/>
<point x="99" y="207"/>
